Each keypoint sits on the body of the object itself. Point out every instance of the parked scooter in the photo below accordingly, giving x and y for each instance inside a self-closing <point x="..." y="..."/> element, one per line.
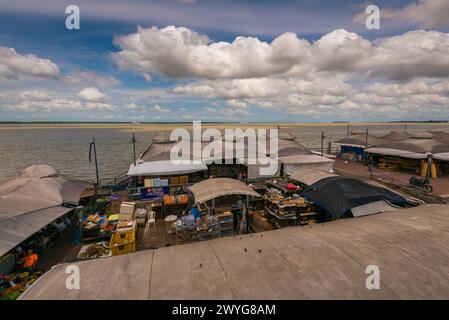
<point x="421" y="183"/>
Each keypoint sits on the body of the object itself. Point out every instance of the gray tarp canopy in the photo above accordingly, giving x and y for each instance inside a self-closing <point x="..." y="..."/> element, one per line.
<point x="156" y="156"/>
<point x="441" y="136"/>
<point x="399" y="135"/>
<point x="38" y="187"/>
<point x="359" y="140"/>
<point x="325" y="261"/>
<point x="161" y="147"/>
<point x="310" y="176"/>
<point x="217" y="187"/>
<point x="413" y="148"/>
<point x="32" y="200"/>
<point x="372" y="208"/>
<point x="255" y="167"/>
<point x="306" y="161"/>
<point x="396" y="135"/>
<point x="17" y="229"/>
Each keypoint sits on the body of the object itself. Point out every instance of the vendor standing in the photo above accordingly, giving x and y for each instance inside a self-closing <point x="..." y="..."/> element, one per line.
<point x="19" y="257"/>
<point x="30" y="261"/>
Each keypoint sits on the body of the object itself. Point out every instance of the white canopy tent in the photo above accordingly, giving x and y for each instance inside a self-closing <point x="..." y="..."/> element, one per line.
<point x="306" y="161"/>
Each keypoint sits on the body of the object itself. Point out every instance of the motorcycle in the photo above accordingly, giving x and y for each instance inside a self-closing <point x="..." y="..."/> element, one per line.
<point x="421" y="183"/>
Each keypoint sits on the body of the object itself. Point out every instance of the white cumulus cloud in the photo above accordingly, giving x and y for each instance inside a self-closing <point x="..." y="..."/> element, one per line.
<point x="427" y="14"/>
<point x="181" y="52"/>
<point x="14" y="65"/>
<point x="158" y="108"/>
<point x="91" y="94"/>
<point x="91" y="78"/>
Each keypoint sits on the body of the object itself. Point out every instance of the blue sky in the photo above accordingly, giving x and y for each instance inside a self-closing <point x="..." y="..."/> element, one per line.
<point x="126" y="64"/>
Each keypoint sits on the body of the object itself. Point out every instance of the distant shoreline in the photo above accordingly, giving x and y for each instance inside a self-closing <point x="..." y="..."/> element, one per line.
<point x="166" y="126"/>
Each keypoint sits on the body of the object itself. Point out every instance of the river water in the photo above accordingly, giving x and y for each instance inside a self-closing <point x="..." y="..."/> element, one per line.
<point x="66" y="149"/>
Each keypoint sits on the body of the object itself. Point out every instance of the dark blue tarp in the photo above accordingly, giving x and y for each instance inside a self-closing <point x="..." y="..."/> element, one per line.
<point x="351" y="149"/>
<point x="337" y="195"/>
<point x="153" y="193"/>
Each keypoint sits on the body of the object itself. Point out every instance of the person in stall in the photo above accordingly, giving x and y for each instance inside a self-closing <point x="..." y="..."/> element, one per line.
<point x="19" y="257"/>
<point x="29" y="261"/>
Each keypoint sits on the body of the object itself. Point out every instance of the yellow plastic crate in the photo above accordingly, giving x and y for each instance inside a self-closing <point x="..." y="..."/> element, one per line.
<point x="125" y="248"/>
<point x="125" y="236"/>
<point x="122" y="243"/>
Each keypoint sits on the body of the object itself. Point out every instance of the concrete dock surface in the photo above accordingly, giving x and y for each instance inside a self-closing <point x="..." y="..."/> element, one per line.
<point x="324" y="261"/>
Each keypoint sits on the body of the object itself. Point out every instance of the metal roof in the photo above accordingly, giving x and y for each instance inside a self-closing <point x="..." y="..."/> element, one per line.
<point x="165" y="167"/>
<point x="324" y="261"/>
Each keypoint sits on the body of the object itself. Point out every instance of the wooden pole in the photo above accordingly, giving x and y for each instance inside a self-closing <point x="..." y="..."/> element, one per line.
<point x="366" y="141"/>
<point x="134" y="148"/>
<point x="322" y="143"/>
<point x="94" y="148"/>
<point x="429" y="165"/>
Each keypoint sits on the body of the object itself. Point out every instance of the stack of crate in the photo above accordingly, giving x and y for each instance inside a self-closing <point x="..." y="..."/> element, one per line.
<point x="388" y="166"/>
<point x="186" y="234"/>
<point x="226" y="220"/>
<point x="209" y="228"/>
<point x="208" y="233"/>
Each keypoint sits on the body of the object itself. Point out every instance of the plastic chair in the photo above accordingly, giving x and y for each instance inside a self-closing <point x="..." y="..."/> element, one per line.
<point x="151" y="219"/>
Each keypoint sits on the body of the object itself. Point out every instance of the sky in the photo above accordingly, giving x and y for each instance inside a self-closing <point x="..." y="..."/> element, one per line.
<point x="224" y="60"/>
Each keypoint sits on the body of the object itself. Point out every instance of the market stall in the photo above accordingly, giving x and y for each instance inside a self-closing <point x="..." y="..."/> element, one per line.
<point x="220" y="207"/>
<point x="35" y="208"/>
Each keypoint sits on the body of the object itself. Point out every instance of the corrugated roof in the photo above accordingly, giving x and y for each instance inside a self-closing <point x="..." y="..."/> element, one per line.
<point x="325" y="261"/>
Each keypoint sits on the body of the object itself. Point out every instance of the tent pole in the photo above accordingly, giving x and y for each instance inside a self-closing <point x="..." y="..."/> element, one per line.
<point x="429" y="165"/>
<point x="247" y="214"/>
